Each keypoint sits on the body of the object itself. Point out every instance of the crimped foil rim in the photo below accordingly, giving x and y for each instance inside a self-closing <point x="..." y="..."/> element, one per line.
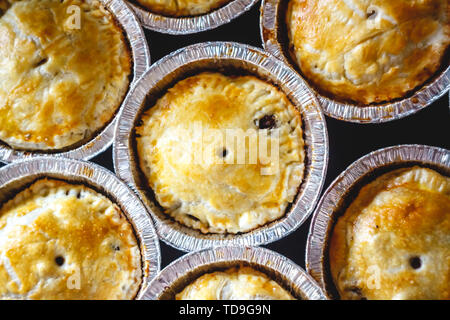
<point x="188" y="25"/>
<point x="103" y="140"/>
<point x="314" y="130"/>
<point x="390" y="111"/>
<point x="101" y="179"/>
<point x="323" y="217"/>
<point x="302" y="284"/>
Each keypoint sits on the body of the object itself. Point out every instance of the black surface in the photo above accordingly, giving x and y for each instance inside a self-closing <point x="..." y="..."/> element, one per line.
<point x="348" y="141"/>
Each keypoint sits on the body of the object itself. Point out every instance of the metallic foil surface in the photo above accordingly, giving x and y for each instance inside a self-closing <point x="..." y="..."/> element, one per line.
<point x="17" y="176"/>
<point x="346" y="186"/>
<point x="237" y="58"/>
<point x="100" y="142"/>
<point x="176" y="276"/>
<point x="194" y="24"/>
<point x="275" y="38"/>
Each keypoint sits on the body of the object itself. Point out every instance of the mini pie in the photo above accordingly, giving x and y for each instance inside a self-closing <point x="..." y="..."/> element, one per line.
<point x="60" y="81"/>
<point x="240" y="283"/>
<point x="65" y="241"/>
<point x="368" y="51"/>
<point x="393" y="242"/>
<point x="177" y="8"/>
<point x="203" y="171"/>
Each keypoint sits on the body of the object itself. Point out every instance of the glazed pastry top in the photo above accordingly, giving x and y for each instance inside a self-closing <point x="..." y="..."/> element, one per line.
<point x="368" y="51"/>
<point x="66" y="241"/>
<point x="243" y="283"/>
<point x="222" y="153"/>
<point x="63" y="72"/>
<point x="180" y="8"/>
<point x="393" y="242"/>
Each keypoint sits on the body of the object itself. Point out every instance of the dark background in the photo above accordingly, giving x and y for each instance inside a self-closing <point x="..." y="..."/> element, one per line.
<point x="348" y="141"/>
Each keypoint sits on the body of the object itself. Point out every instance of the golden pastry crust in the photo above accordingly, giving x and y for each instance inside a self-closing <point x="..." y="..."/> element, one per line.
<point x="60" y="82"/>
<point x="65" y="241"/>
<point x="214" y="191"/>
<point x="368" y="51"/>
<point x="393" y="242"/>
<point x="240" y="283"/>
<point x="180" y="8"/>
